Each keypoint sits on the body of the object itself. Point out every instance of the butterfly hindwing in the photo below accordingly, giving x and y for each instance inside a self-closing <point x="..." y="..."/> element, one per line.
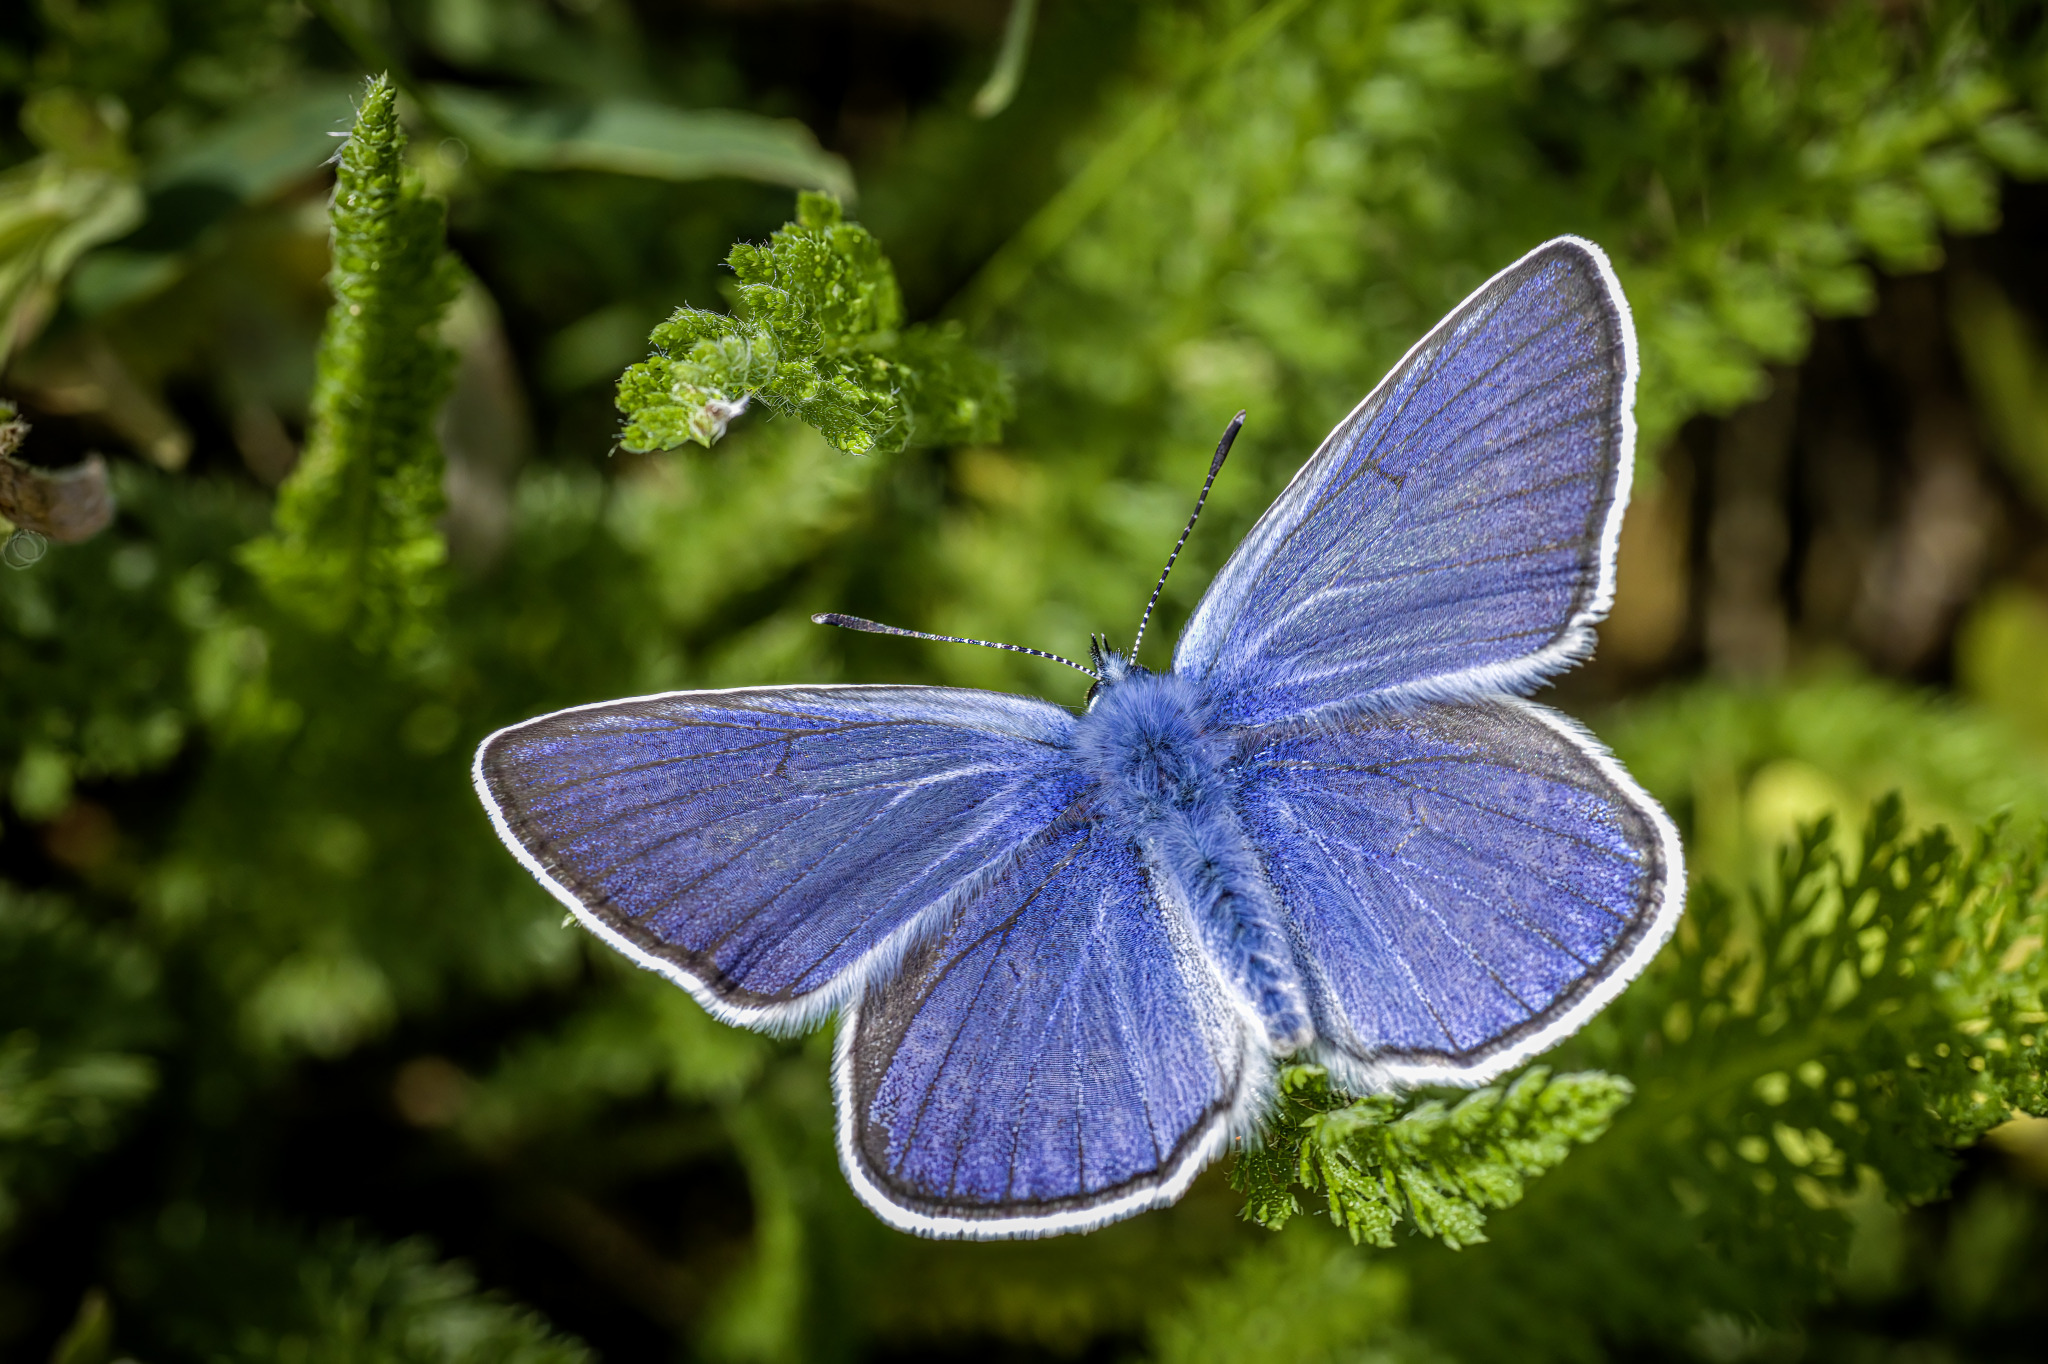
<point x="1455" y="534"/>
<point x="1060" y="1056"/>
<point x="1468" y="881"/>
<point x="767" y="847"/>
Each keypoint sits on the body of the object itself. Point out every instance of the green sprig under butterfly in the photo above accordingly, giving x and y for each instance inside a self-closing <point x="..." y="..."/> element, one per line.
<point x="1380" y="1160"/>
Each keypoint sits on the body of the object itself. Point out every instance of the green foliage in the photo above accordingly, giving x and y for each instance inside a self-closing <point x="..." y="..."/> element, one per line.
<point x="2008" y="370"/>
<point x="75" y="1058"/>
<point x="2002" y="655"/>
<point x="1876" y="144"/>
<point x="1845" y="1028"/>
<point x="1380" y="1161"/>
<point x="249" y="1292"/>
<point x="1736" y="206"/>
<point x="1306" y="1298"/>
<point x="80" y="192"/>
<point x="818" y="334"/>
<point x="97" y="645"/>
<point x="278" y="973"/>
<point x="357" y="549"/>
<point x="1300" y="208"/>
<point x="90" y="1339"/>
<point x="643" y="1037"/>
<point x="639" y="137"/>
<point x="1742" y="768"/>
<point x="1902" y="995"/>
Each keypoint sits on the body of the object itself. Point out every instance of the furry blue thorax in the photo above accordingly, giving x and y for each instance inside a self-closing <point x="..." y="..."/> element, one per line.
<point x="1161" y="768"/>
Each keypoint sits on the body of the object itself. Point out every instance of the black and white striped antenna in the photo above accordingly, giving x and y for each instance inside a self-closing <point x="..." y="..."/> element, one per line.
<point x="877" y="628"/>
<point x="1215" y="467"/>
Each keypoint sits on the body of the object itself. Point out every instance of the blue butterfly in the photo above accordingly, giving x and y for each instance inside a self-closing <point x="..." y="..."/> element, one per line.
<point x="1068" y="950"/>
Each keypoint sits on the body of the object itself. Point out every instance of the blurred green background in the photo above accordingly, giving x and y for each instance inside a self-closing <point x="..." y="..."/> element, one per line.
<point x="295" y="1061"/>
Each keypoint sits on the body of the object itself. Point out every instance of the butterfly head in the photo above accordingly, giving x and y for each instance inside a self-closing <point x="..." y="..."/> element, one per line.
<point x="1111" y="667"/>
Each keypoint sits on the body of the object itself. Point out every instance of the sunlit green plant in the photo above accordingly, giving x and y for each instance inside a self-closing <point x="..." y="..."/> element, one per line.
<point x="817" y="333"/>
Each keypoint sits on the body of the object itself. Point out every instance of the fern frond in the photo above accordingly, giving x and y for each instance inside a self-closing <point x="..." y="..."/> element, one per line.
<point x="356" y="547"/>
<point x="1849" y="1024"/>
<point x="1437" y="1165"/>
<point x="817" y="334"/>
<point x="75" y="1039"/>
<point x="1881" y="1014"/>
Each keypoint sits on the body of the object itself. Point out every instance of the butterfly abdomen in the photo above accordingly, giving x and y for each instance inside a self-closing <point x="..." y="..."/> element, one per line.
<point x="1161" y="769"/>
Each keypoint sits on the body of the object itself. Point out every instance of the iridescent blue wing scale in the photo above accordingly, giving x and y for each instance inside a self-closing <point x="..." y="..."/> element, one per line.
<point x="1455" y="534"/>
<point x="1058" y="1057"/>
<point x="1468" y="881"/>
<point x="770" y="847"/>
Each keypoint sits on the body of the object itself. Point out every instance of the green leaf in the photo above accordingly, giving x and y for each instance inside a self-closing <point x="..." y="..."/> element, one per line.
<point x="54" y="208"/>
<point x="2007" y="367"/>
<point x="357" y="548"/>
<point x="638" y="137"/>
<point x="1001" y="86"/>
<point x="90" y="1338"/>
<point x="2016" y="142"/>
<point x="2002" y="655"/>
<point x="817" y="333"/>
<point x="263" y="146"/>
<point x="1439" y="1166"/>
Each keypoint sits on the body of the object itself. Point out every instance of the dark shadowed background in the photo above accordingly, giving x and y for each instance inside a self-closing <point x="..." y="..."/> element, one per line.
<point x="297" y="1064"/>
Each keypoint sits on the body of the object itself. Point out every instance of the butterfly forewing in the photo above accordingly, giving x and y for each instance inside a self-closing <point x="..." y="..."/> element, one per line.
<point x="1468" y="880"/>
<point x="1455" y="534"/>
<point x="767" y="846"/>
<point x="1057" y="1058"/>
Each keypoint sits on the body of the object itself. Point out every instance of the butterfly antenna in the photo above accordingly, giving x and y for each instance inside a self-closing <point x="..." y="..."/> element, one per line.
<point x="1215" y="467"/>
<point x="877" y="628"/>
